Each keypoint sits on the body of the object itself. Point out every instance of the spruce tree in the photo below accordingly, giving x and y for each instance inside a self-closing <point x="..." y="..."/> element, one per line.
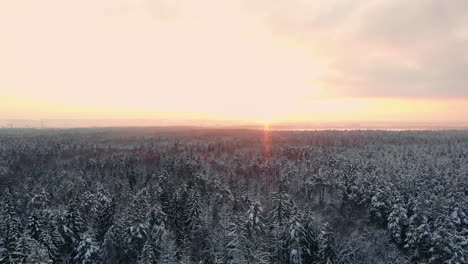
<point x="10" y="251"/>
<point x="154" y="245"/>
<point x="326" y="246"/>
<point x="279" y="217"/>
<point x="105" y="218"/>
<point x="87" y="250"/>
<point x="253" y="247"/>
<point x="398" y="222"/>
<point x="309" y="241"/>
<point x="294" y="234"/>
<point x="72" y="228"/>
<point x="36" y="225"/>
<point x="418" y="237"/>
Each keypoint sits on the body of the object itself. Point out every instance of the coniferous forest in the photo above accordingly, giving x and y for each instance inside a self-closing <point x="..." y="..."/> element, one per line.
<point x="187" y="195"/>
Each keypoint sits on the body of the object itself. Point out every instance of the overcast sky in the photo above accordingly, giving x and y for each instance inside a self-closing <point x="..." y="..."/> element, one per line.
<point x="258" y="60"/>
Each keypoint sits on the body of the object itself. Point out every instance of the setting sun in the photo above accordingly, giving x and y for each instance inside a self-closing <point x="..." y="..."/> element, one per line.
<point x="233" y="131"/>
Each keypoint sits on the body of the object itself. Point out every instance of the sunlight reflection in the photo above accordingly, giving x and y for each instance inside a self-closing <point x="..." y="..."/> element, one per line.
<point x="266" y="141"/>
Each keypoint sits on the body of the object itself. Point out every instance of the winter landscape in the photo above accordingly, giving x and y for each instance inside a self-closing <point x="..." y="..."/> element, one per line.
<point x="190" y="195"/>
<point x="233" y="132"/>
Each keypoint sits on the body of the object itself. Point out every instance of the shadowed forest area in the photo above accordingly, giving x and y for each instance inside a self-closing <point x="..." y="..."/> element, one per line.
<point x="188" y="195"/>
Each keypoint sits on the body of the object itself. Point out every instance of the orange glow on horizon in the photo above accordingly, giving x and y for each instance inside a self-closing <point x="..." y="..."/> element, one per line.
<point x="316" y="110"/>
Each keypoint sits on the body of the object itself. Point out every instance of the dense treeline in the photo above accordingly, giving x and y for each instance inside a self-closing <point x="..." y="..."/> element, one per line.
<point x="233" y="196"/>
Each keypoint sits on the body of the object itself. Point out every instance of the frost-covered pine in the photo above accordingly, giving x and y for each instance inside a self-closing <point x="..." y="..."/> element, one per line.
<point x="105" y="207"/>
<point x="378" y="208"/>
<point x="70" y="226"/>
<point x="114" y="245"/>
<point x="38" y="254"/>
<point x="254" y="225"/>
<point x="447" y="245"/>
<point x="326" y="246"/>
<point x="398" y="222"/>
<point x="87" y="250"/>
<point x="252" y="240"/>
<point x="30" y="251"/>
<point x="194" y="211"/>
<point x="74" y="224"/>
<point x="220" y="239"/>
<point x="154" y="245"/>
<point x="53" y="242"/>
<point x="309" y="241"/>
<point x="135" y="238"/>
<point x="281" y="210"/>
<point x="36" y="225"/>
<point x="149" y="254"/>
<point x="105" y="218"/>
<point x="418" y="238"/>
<point x="10" y="252"/>
<point x="168" y="254"/>
<point x="279" y="217"/>
<point x="234" y="249"/>
<point x="136" y="225"/>
<point x="88" y="204"/>
<point x="295" y="233"/>
<point x="179" y="215"/>
<point x="23" y="246"/>
<point x="459" y="247"/>
<point x="39" y="200"/>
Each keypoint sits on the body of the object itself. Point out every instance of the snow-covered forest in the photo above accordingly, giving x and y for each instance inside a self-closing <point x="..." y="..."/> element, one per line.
<point x="181" y="195"/>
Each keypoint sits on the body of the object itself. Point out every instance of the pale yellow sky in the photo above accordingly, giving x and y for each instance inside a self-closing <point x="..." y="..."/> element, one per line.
<point x="252" y="60"/>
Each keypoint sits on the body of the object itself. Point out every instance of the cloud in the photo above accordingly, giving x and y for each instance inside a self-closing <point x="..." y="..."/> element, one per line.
<point x="251" y="59"/>
<point x="385" y="48"/>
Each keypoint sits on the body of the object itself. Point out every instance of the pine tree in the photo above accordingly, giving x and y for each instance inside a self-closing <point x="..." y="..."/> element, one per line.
<point x="87" y="250"/>
<point x="281" y="210"/>
<point x="37" y="253"/>
<point x="40" y="200"/>
<point x="279" y="217"/>
<point x="148" y="255"/>
<point x="168" y="254"/>
<point x="326" y="246"/>
<point x="73" y="222"/>
<point x="194" y="211"/>
<point x="136" y="224"/>
<point x="378" y="209"/>
<point x="253" y="246"/>
<point x="220" y="239"/>
<point x="293" y="237"/>
<point x="23" y="246"/>
<point x="181" y="213"/>
<point x="418" y="236"/>
<point x="114" y="246"/>
<point x="10" y="252"/>
<point x="398" y="222"/>
<point x="36" y="225"/>
<point x="71" y="230"/>
<point x="135" y="237"/>
<point x="105" y="218"/>
<point x="197" y="229"/>
<point x="310" y="238"/>
<point x="233" y="254"/>
<point x="254" y="225"/>
<point x="53" y="242"/>
<point x="154" y="245"/>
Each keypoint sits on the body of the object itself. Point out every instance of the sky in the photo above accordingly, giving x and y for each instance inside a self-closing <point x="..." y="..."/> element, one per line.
<point x="245" y="60"/>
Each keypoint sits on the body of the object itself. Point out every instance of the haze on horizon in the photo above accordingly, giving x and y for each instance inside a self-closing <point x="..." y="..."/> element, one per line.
<point x="242" y="60"/>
